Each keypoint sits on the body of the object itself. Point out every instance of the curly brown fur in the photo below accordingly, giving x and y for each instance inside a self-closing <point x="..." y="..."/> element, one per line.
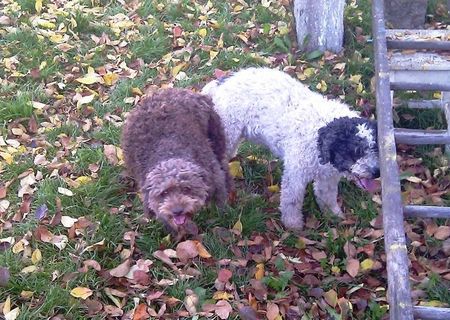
<point x="174" y="147"/>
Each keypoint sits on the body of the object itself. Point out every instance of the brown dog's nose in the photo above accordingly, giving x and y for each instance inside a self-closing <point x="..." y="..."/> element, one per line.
<point x="177" y="211"/>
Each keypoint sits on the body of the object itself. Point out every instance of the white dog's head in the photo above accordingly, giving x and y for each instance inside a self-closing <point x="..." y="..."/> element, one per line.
<point x="350" y="145"/>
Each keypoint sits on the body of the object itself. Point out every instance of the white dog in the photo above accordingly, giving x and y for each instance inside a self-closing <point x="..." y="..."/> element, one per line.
<point x="318" y="139"/>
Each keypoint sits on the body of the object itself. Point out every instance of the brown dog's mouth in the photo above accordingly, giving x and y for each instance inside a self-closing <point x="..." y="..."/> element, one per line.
<point x="179" y="219"/>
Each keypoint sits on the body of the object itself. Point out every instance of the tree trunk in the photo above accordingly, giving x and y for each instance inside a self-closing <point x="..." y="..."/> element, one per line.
<point x="319" y="24"/>
<point x="405" y="14"/>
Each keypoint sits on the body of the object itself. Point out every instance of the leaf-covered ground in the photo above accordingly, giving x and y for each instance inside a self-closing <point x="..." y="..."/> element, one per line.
<point x="74" y="243"/>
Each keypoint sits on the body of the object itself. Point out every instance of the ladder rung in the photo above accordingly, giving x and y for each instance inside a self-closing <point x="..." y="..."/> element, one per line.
<point x="420" y="86"/>
<point x="424" y="104"/>
<point x="426" y="212"/>
<point x="418" y="45"/>
<point x="419" y="61"/>
<point x="431" y="313"/>
<point x="414" y="136"/>
<point x="418" y="34"/>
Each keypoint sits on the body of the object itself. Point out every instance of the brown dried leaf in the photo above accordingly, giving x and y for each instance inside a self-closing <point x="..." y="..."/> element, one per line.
<point x="223" y="309"/>
<point x="273" y="312"/>
<point x="352" y="267"/>
<point x="141" y="312"/>
<point x="121" y="270"/>
<point x="442" y="232"/>
<point x="224" y="275"/>
<point x="331" y="297"/>
<point x="186" y="250"/>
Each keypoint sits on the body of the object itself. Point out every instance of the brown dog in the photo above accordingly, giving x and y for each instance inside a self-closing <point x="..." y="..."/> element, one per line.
<point x="174" y="148"/>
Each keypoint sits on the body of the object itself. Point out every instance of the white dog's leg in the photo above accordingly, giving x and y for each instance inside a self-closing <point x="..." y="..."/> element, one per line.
<point x="293" y="187"/>
<point x="326" y="191"/>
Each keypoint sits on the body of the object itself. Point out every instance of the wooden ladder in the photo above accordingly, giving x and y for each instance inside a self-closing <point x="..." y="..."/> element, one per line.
<point x="400" y="71"/>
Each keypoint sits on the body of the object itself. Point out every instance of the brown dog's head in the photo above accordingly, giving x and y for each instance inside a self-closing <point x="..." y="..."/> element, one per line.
<point x="175" y="190"/>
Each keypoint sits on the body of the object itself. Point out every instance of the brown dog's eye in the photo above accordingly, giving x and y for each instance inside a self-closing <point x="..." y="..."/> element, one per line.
<point x="186" y="189"/>
<point x="164" y="193"/>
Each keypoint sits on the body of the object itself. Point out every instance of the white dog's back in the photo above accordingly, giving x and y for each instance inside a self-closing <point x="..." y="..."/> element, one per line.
<point x="256" y="99"/>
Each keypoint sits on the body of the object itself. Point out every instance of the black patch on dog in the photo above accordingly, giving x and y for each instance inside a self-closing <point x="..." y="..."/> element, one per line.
<point x="339" y="145"/>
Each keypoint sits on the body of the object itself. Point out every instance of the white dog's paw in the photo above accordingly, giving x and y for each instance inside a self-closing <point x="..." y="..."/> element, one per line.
<point x="293" y="222"/>
<point x="337" y="211"/>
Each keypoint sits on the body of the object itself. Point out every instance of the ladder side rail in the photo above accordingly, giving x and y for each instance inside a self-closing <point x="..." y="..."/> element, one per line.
<point x="399" y="294"/>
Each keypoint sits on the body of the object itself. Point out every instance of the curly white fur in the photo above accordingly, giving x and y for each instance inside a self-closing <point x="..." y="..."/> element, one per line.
<point x="269" y="107"/>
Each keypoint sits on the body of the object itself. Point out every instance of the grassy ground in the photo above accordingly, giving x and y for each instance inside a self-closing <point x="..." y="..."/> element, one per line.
<point x="72" y="226"/>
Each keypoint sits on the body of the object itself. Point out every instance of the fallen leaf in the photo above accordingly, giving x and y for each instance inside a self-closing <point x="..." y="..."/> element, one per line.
<point x="236" y="169"/>
<point x="223" y="309"/>
<point x="442" y="232"/>
<point x="259" y="274"/>
<point x="331" y="297"/>
<point x="224" y="275"/>
<point x="141" y="312"/>
<point x="121" y="270"/>
<point x="36" y="257"/>
<point x="65" y="191"/>
<point x="222" y="295"/>
<point x="111" y="154"/>
<point x="41" y="212"/>
<point x="202" y="252"/>
<point x="81" y="292"/>
<point x="352" y="267"/>
<point x="186" y="250"/>
<point x="367" y="264"/>
<point x="248" y="313"/>
<point x="29" y="269"/>
<point x="67" y="221"/>
<point x="273" y="312"/>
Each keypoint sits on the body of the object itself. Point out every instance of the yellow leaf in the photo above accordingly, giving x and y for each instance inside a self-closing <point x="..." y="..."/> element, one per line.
<point x="18" y="247"/>
<point x="202" y="252"/>
<point x="202" y="32"/>
<point x="178" y="68"/>
<point x="136" y="91"/>
<point x="243" y="37"/>
<point x="8" y="158"/>
<point x="220" y="41"/>
<point x="81" y="292"/>
<point x="26" y="294"/>
<point x="356" y="78"/>
<point x="323" y="86"/>
<point x="238" y="226"/>
<point x="437" y="95"/>
<point x="308" y="72"/>
<point x="259" y="274"/>
<point x="90" y="78"/>
<point x="29" y="269"/>
<point x="7" y="305"/>
<point x="56" y="38"/>
<point x="46" y="24"/>
<point x="274" y="188"/>
<point x="81" y="180"/>
<point x="110" y="78"/>
<point x="36" y="257"/>
<point x="236" y="169"/>
<point x="238" y="8"/>
<point x="367" y="264"/>
<point x="213" y="54"/>
<point x="432" y="303"/>
<point x="335" y="269"/>
<point x="359" y="88"/>
<point x="38" y="6"/>
<point x="222" y="295"/>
